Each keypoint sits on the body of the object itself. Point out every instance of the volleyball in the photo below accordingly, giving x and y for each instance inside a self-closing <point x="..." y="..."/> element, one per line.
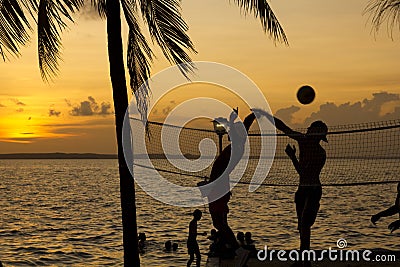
<point x="305" y="94"/>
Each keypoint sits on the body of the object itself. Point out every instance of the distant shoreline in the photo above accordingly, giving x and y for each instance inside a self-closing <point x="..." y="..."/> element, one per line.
<point x="58" y="156"/>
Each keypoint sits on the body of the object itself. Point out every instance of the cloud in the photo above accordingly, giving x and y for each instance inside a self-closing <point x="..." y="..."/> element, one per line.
<point x="366" y="110"/>
<point x="169" y="108"/>
<point x="19" y="140"/>
<point x="17" y="102"/>
<point x="2" y="106"/>
<point x="89" y="12"/>
<point x="166" y="110"/>
<point x="286" y="114"/>
<point x="53" y="112"/>
<point x="90" y="108"/>
<point x="20" y="110"/>
<point x="105" y="108"/>
<point x="68" y="102"/>
<point x="83" y="110"/>
<point x="98" y="122"/>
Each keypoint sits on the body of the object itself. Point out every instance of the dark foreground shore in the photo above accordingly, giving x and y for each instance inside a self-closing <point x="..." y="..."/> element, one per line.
<point x="376" y="258"/>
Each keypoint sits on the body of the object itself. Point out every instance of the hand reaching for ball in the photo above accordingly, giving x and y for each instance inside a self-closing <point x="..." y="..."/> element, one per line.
<point x="234" y="115"/>
<point x="259" y="112"/>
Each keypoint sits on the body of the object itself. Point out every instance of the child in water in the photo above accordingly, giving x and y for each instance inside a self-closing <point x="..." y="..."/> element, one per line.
<point x="389" y="212"/>
<point x="168" y="246"/>
<point x="192" y="245"/>
<point x="142" y="242"/>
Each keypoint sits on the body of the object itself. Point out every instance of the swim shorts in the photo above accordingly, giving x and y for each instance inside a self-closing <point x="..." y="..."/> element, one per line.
<point x="307" y="200"/>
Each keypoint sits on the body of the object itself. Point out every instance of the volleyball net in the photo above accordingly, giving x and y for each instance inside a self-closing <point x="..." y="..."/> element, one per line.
<point x="357" y="154"/>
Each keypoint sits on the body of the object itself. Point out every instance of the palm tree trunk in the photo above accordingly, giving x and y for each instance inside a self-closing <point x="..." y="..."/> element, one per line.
<point x="120" y="96"/>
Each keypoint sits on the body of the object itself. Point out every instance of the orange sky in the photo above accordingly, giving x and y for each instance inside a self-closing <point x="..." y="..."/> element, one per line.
<point x="331" y="48"/>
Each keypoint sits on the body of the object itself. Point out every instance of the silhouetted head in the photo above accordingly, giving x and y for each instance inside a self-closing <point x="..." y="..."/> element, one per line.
<point x="247" y="236"/>
<point x="319" y="130"/>
<point x="168" y="245"/>
<point x="174" y="246"/>
<point x="240" y="236"/>
<point x="197" y="214"/>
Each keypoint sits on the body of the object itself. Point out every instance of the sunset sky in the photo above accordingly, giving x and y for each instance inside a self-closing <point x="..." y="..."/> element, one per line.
<point x="355" y="72"/>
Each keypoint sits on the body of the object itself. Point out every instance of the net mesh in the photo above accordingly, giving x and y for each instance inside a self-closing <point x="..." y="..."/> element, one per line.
<point x="357" y="154"/>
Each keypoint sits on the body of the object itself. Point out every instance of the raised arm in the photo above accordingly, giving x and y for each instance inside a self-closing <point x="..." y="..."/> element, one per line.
<point x="291" y="152"/>
<point x="248" y="121"/>
<point x="280" y="125"/>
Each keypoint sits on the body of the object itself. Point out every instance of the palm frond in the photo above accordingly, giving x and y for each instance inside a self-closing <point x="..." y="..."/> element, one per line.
<point x="168" y="29"/>
<point x="51" y="16"/>
<point x="384" y="10"/>
<point x="261" y="9"/>
<point x="14" y="27"/>
<point x="139" y="59"/>
<point x="100" y="5"/>
<point x="31" y="6"/>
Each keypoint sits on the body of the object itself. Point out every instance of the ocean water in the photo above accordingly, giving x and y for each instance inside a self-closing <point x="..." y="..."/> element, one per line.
<point x="67" y="213"/>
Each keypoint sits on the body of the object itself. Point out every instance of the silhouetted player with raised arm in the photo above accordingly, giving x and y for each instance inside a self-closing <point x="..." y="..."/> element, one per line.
<point x="389" y="212"/>
<point x="222" y="167"/>
<point x="311" y="160"/>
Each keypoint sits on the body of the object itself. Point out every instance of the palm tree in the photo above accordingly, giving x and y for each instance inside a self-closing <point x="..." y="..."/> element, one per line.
<point x="167" y="28"/>
<point x="384" y="10"/>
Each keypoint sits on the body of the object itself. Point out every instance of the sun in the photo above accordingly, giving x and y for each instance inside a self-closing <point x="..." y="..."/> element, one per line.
<point x="19" y="129"/>
<point x="22" y="129"/>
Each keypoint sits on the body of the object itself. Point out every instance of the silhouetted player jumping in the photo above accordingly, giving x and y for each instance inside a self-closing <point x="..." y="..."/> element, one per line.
<point x="311" y="160"/>
<point x="389" y="212"/>
<point x="222" y="167"/>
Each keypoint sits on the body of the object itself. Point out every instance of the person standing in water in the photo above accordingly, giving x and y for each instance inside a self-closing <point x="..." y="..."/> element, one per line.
<point x="192" y="245"/>
<point x="221" y="169"/>
<point x="312" y="158"/>
<point x="389" y="212"/>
